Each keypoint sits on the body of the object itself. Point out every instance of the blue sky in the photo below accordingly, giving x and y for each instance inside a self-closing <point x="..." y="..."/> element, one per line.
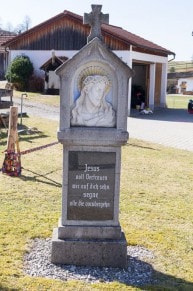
<point x="166" y="23"/>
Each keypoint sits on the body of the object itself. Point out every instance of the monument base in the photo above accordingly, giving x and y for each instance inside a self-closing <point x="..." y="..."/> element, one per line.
<point x="87" y="252"/>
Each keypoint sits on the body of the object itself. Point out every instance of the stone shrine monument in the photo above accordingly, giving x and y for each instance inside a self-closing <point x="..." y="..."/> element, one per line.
<point x="93" y="127"/>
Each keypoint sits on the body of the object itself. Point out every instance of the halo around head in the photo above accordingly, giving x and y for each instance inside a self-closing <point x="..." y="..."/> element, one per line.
<point x="92" y="71"/>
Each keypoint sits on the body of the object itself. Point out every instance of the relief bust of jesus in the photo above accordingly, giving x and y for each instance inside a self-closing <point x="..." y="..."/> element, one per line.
<point x="91" y="108"/>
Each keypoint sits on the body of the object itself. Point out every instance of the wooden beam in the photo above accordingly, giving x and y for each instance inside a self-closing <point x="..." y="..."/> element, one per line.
<point x="12" y="131"/>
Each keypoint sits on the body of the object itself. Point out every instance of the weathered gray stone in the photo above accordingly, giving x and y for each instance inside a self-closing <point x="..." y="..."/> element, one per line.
<point x="97" y="136"/>
<point x="95" y="19"/>
<point x="88" y="232"/>
<point x="84" y="252"/>
<point x="93" y="127"/>
<point x="94" y="58"/>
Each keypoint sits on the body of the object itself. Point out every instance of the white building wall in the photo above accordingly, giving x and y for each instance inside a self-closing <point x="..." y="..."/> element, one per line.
<point x="38" y="58"/>
<point x="54" y="80"/>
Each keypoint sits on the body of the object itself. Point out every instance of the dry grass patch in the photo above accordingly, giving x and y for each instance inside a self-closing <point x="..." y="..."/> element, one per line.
<point x="178" y="101"/>
<point x="52" y="100"/>
<point x="156" y="205"/>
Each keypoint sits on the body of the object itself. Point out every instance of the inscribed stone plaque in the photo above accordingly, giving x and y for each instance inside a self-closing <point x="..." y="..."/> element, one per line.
<point x="91" y="185"/>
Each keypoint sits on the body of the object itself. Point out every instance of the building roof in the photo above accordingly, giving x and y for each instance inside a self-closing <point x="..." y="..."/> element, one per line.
<point x="179" y="75"/>
<point x="53" y="63"/>
<point x="134" y="39"/>
<point x="107" y="30"/>
<point x="5" y="36"/>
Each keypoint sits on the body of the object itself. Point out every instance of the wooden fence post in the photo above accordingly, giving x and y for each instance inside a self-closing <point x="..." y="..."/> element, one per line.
<point x="12" y="161"/>
<point x="12" y="131"/>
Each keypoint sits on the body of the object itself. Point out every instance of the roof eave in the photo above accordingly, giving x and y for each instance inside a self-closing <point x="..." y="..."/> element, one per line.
<point x="167" y="52"/>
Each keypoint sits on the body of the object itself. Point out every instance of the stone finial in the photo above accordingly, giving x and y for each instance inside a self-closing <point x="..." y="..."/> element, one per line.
<point x="95" y="18"/>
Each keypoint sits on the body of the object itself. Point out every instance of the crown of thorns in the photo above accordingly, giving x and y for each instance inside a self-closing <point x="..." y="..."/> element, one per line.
<point x="94" y="74"/>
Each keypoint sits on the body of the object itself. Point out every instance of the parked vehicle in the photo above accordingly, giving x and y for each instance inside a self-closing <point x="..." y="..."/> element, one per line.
<point x="190" y="106"/>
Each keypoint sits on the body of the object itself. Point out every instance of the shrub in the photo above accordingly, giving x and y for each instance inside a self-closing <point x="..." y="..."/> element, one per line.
<point x="19" y="72"/>
<point x="36" y="84"/>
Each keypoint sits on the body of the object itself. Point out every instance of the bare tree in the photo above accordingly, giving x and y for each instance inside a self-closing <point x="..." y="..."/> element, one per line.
<point x="27" y="22"/>
<point x="9" y="27"/>
<point x="24" y="25"/>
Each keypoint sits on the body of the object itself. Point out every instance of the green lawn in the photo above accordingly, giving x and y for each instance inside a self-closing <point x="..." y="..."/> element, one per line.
<point x="155" y="210"/>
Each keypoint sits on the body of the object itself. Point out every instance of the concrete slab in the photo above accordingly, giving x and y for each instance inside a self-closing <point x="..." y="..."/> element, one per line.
<point x="168" y="127"/>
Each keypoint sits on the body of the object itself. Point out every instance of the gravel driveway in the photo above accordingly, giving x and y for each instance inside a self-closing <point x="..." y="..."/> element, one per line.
<point x="37" y="109"/>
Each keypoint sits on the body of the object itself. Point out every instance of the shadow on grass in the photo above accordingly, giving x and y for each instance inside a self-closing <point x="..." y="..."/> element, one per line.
<point x="25" y="134"/>
<point x="3" y="134"/>
<point x="28" y="134"/>
<point x="162" y="282"/>
<point x="139" y="274"/>
<point x="40" y="178"/>
<point x="31" y="138"/>
<point x="7" y="289"/>
<point x="28" y="139"/>
<point x="142" y="146"/>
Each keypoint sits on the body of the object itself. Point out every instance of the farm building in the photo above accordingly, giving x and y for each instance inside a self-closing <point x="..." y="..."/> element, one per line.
<point x="65" y="34"/>
<point x="182" y="81"/>
<point x="4" y="37"/>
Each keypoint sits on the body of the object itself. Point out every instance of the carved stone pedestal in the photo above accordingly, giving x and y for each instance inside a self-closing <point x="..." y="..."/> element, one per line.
<point x="88" y="251"/>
